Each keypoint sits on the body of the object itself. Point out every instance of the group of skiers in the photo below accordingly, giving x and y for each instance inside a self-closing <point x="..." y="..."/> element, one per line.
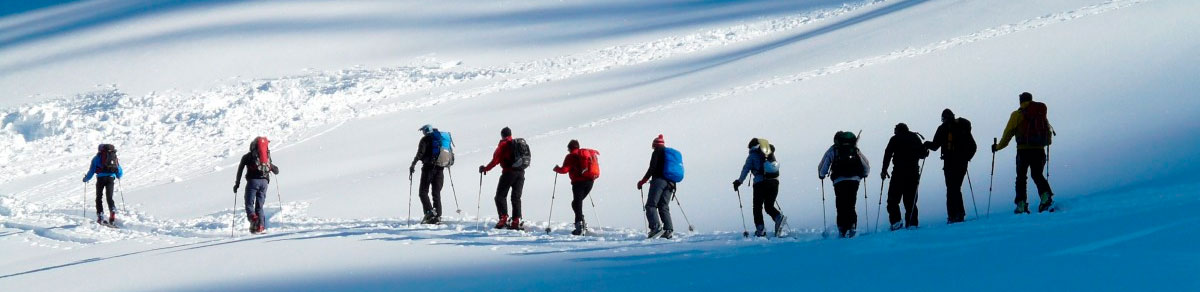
<point x="843" y="163"/>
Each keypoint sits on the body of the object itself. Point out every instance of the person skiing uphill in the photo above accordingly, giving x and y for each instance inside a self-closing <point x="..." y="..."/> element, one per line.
<point x="513" y="157"/>
<point x="666" y="169"/>
<point x="583" y="167"/>
<point x="845" y="165"/>
<point x="761" y="162"/>
<point x="907" y="150"/>
<point x="107" y="169"/>
<point x="1034" y="133"/>
<point x="957" y="146"/>
<point x="258" y="166"/>
<point x="428" y="152"/>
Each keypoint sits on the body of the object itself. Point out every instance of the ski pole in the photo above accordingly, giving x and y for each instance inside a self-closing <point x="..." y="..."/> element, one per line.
<point x="84" y="202"/>
<point x="916" y="195"/>
<point x="866" y="206"/>
<point x="553" y="191"/>
<point x="278" y="196"/>
<point x="1047" y="161"/>
<point x="595" y="212"/>
<point x="478" y="203"/>
<point x="992" y="177"/>
<point x="124" y="206"/>
<point x="824" y="223"/>
<point x="879" y="208"/>
<point x="410" y="186"/>
<point x="685" y="217"/>
<point x="643" y="196"/>
<point x="742" y="211"/>
<point x="453" y="192"/>
<point x="972" y="188"/>
<point x="233" y="222"/>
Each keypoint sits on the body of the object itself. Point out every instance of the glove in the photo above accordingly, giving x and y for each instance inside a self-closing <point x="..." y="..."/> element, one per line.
<point x="821" y="177"/>
<point x="640" y="183"/>
<point x="557" y="168"/>
<point x="411" y="170"/>
<point x="994" y="148"/>
<point x="883" y="175"/>
<point x="235" y="187"/>
<point x="85" y="179"/>
<point x="483" y="169"/>
<point x="736" y="184"/>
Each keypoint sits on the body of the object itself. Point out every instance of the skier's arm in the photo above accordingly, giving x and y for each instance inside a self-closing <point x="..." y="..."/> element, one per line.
<point x="823" y="168"/>
<point x="497" y="156"/>
<point x="120" y="171"/>
<point x="939" y="139"/>
<point x="655" y="164"/>
<point x="1014" y="120"/>
<point x="566" y="165"/>
<point x="746" y="168"/>
<point x="887" y="153"/>
<point x="274" y="169"/>
<point x="421" y="149"/>
<point x="237" y="180"/>
<point x="92" y="168"/>
<point x="865" y="164"/>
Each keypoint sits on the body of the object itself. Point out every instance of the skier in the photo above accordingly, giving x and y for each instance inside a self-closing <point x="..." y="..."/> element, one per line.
<point x="845" y="165"/>
<point x="1034" y="133"/>
<point x="582" y="166"/>
<point x="906" y="148"/>
<point x="761" y="162"/>
<point x="957" y="146"/>
<point x="256" y="164"/>
<point x="431" y="175"/>
<point x="662" y="189"/>
<point x="107" y="169"/>
<point x="513" y="157"/>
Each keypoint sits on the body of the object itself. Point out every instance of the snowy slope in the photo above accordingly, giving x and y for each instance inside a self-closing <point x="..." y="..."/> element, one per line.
<point x="710" y="75"/>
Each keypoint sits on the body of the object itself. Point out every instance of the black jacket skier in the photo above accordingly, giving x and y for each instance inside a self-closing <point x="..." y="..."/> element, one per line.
<point x="432" y="177"/>
<point x="906" y="149"/>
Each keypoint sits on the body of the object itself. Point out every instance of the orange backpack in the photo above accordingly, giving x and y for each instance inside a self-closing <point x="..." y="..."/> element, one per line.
<point x="590" y="163"/>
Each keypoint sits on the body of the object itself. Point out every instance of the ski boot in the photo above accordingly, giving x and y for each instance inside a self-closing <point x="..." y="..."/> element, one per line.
<point x="1022" y="207"/>
<point x="580" y="227"/>
<point x="516" y="224"/>
<point x="667" y="234"/>
<point x="428" y="219"/>
<point x="1047" y="202"/>
<point x="437" y="219"/>
<point x="758" y="231"/>
<point x="503" y="222"/>
<point x="655" y="233"/>
<point x="896" y="226"/>
<point x="254" y="222"/>
<point x="780" y="221"/>
<point x="100" y="219"/>
<point x="112" y="218"/>
<point x="955" y="220"/>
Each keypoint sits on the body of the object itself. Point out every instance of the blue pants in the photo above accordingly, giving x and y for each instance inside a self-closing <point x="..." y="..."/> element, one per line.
<point x="256" y="196"/>
<point x="658" y="204"/>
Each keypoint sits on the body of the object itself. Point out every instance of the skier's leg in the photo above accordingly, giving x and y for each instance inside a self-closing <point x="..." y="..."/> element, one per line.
<point x="770" y="193"/>
<point x="435" y="183"/>
<point x="99" y="197"/>
<point x="652" y="199"/>
<point x="109" y="184"/>
<point x="578" y="192"/>
<point x="758" y="198"/>
<point x="423" y="190"/>
<point x="502" y="194"/>
<point x="955" y="173"/>
<point x="517" y="186"/>
<point x="1037" y="167"/>
<point x="1022" y="169"/>
<point x="895" y="194"/>
<point x="909" y="196"/>
<point x="664" y="204"/>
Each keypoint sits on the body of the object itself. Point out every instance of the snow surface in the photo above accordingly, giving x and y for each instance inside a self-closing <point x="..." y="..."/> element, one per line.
<point x="340" y="87"/>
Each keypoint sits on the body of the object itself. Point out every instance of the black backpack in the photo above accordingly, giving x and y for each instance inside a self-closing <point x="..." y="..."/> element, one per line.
<point x="846" y="162"/>
<point x="108" y="159"/>
<point x="520" y="157"/>
<point x="964" y="142"/>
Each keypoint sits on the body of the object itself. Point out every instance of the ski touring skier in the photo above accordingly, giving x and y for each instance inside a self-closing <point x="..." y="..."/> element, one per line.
<point x="512" y="155"/>
<point x="1034" y="134"/>
<point x="762" y="164"/>
<point x="953" y="138"/>
<point x="107" y="169"/>
<point x="435" y="153"/>
<point x="582" y="165"/>
<point x="845" y="165"/>
<point x="665" y="171"/>
<point x="907" y="150"/>
<point x="258" y="167"/>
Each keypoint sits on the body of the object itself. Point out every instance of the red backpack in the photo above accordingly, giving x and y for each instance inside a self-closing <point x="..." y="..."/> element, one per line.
<point x="1034" y="129"/>
<point x="590" y="163"/>
<point x="262" y="154"/>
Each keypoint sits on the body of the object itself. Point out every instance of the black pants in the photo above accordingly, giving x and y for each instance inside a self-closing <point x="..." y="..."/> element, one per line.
<point x="515" y="180"/>
<point x="104" y="187"/>
<point x="580" y="191"/>
<point x="846" y="193"/>
<point x="431" y="177"/>
<point x="955" y="172"/>
<point x="903" y="188"/>
<point x="765" y="193"/>
<point x="1031" y="161"/>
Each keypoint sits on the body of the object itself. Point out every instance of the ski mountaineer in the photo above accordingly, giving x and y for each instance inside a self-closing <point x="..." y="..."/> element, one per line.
<point x="907" y="150"/>
<point x="761" y="162"/>
<point x="658" y="202"/>
<point x="1034" y="134"/>
<point x="957" y="147"/>
<point x="431" y="175"/>
<point x="582" y="167"/>
<point x="513" y="157"/>
<point x="257" y="179"/>
<point x="107" y="169"/>
<point x="845" y="165"/>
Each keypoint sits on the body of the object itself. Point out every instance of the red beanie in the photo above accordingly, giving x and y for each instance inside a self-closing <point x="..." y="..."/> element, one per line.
<point x="659" y="141"/>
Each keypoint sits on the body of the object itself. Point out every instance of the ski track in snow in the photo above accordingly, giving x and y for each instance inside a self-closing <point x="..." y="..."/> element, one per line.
<point x="306" y="103"/>
<point x="982" y="35"/>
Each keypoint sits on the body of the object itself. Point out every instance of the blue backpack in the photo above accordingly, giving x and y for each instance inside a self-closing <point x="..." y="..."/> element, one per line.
<point x="443" y="149"/>
<point x="672" y="165"/>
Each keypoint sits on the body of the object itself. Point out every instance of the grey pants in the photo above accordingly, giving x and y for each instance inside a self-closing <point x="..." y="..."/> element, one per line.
<point x="658" y="204"/>
<point x="256" y="196"/>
